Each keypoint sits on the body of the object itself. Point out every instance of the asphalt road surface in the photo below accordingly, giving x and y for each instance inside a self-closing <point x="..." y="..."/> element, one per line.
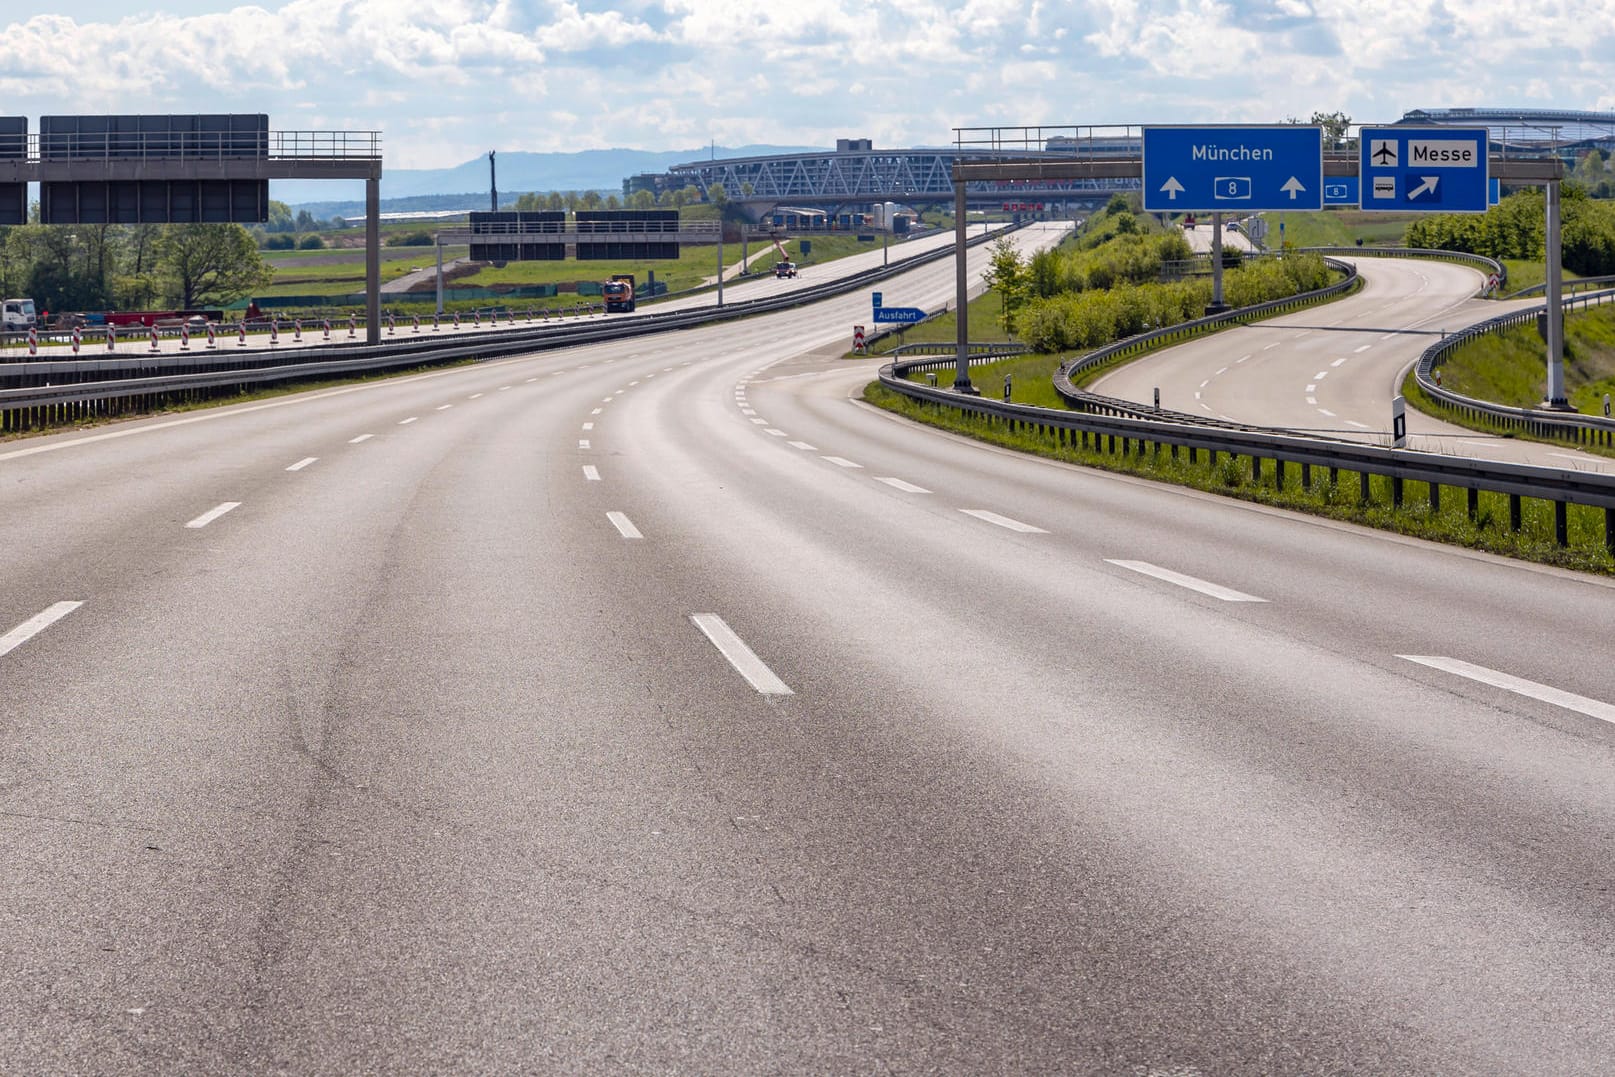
<point x="1335" y="368"/>
<point x="658" y="707"/>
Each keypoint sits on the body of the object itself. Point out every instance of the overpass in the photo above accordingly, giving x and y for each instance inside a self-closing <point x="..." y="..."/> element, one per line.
<point x="857" y="174"/>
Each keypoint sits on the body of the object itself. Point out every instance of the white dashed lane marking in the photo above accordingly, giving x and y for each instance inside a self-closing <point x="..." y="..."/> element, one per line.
<point x="35" y="625"/>
<point x="804" y="446"/>
<point x="591" y="473"/>
<point x="406" y="422"/>
<point x="624" y="525"/>
<point x="840" y="461"/>
<point x="301" y="464"/>
<point x="740" y="656"/>
<point x="1593" y="708"/>
<point x="899" y="484"/>
<point x="1227" y="594"/>
<point x="213" y="514"/>
<point x="1003" y="521"/>
<point x="360" y="438"/>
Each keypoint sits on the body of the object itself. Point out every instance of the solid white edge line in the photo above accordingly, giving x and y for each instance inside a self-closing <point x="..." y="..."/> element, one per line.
<point x="1003" y="521"/>
<point x="213" y="514"/>
<point x="35" y="625"/>
<point x="304" y="462"/>
<point x="742" y="657"/>
<point x="1543" y="693"/>
<point x="625" y="527"/>
<point x="591" y="473"/>
<point x="1193" y="583"/>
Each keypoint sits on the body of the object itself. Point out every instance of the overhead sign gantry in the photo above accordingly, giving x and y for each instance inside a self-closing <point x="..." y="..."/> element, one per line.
<point x="1232" y="169"/>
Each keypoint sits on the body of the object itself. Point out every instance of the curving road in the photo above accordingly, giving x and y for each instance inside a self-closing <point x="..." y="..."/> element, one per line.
<point x="1335" y="368"/>
<point x="658" y="707"/>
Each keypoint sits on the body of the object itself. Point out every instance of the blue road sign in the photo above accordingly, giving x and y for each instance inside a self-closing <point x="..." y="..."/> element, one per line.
<point x="1424" y="169"/>
<point x="1340" y="191"/>
<point x="900" y="315"/>
<point x="1238" y="169"/>
<point x="1494" y="194"/>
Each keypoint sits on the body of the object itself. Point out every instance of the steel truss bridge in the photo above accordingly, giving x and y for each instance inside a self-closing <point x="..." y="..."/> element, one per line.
<point x="835" y="180"/>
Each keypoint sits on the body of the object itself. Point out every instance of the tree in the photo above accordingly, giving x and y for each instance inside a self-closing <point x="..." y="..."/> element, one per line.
<point x="211" y="264"/>
<point x="1007" y="274"/>
<point x="642" y="199"/>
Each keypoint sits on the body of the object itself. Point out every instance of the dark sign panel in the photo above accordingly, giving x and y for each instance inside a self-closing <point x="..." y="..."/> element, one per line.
<point x="626" y="251"/>
<point x="212" y="138"/>
<point x="155" y="202"/>
<point x="13" y="147"/>
<point x="518" y="252"/>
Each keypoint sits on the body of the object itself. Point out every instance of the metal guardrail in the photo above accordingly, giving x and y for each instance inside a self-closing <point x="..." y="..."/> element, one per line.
<point x="47" y="389"/>
<point x="1479" y="261"/>
<point x="1574" y="284"/>
<point x="1565" y="426"/>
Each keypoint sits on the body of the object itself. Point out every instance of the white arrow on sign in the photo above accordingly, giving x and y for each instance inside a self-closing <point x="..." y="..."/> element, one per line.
<point x="1172" y="188"/>
<point x="1429" y="185"/>
<point x="1294" y="186"/>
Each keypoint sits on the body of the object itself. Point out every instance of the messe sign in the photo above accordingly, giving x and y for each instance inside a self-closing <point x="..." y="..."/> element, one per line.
<point x="1234" y="169"/>
<point x="1424" y="169"/>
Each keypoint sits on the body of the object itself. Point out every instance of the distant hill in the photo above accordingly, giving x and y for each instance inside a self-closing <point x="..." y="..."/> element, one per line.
<point x="587" y="170"/>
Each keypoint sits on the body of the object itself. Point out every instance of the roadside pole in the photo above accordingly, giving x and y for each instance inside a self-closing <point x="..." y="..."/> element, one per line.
<point x="1555" y="400"/>
<point x="961" y="374"/>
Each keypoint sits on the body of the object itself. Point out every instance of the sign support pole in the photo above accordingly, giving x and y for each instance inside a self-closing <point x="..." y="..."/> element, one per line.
<point x="961" y="375"/>
<point x="1555" y="314"/>
<point x="437" y="240"/>
<point x="372" y="259"/>
<point x="1217" y="305"/>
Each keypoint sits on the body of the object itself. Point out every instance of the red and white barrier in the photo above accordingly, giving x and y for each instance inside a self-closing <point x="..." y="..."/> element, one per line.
<point x="212" y="338"/>
<point x="241" y="334"/>
<point x="112" y="339"/>
<point x="33" y="342"/>
<point x="154" y="338"/>
<point x="78" y="340"/>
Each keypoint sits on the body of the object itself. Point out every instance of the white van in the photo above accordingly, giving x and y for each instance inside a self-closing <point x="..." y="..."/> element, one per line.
<point x="18" y="316"/>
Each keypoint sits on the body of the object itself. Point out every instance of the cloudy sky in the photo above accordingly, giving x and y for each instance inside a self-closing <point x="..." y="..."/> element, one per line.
<point x="446" y="80"/>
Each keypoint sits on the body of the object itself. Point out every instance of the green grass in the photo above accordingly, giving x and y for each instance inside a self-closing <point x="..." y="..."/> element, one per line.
<point x="1338" y="228"/>
<point x="1510" y="368"/>
<point x="1338" y="499"/>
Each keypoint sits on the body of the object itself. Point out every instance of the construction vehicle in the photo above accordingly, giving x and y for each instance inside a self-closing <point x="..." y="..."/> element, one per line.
<point x="619" y="293"/>
<point x="784" y="267"/>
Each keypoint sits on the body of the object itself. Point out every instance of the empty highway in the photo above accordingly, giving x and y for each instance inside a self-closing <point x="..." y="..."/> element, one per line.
<point x="661" y="707"/>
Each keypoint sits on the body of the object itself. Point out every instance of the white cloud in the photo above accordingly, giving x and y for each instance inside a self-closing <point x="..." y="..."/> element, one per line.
<point x="448" y="79"/>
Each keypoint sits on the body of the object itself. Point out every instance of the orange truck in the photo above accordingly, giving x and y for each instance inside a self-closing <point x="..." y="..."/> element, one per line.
<point x="619" y="293"/>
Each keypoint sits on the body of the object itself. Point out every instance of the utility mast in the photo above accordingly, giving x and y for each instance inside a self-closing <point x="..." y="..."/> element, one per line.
<point x="493" y="184"/>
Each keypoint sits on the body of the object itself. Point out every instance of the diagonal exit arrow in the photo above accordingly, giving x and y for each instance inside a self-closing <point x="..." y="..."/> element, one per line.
<point x="1294" y="187"/>
<point x="1172" y="188"/>
<point x="1429" y="185"/>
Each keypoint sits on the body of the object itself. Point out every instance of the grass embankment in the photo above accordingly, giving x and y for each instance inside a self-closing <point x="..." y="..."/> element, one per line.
<point x="1510" y="368"/>
<point x="1335" y="497"/>
<point x="1338" y="228"/>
